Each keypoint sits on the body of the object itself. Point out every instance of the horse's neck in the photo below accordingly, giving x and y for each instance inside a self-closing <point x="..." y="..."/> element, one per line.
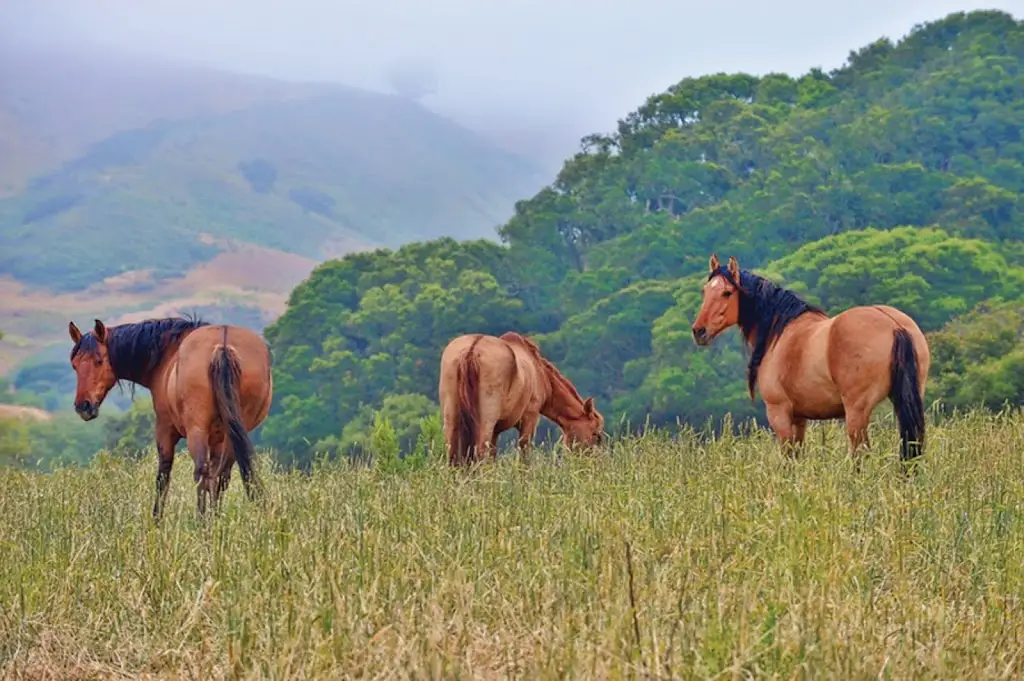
<point x="139" y="373"/>
<point x="562" y="404"/>
<point x="804" y="319"/>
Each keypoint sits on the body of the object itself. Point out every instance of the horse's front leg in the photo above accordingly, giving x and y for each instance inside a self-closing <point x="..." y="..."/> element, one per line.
<point x="527" y="429"/>
<point x="788" y="429"/>
<point x="167" y="439"/>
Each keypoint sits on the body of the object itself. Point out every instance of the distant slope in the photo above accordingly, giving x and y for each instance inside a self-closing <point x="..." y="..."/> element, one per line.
<point x="55" y="103"/>
<point x="316" y="176"/>
<point x="132" y="187"/>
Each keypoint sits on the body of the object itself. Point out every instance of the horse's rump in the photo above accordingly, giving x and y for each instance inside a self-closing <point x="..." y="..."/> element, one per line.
<point x="225" y="379"/>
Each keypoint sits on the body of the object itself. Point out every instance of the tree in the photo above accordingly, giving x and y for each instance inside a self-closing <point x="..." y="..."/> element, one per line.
<point x="978" y="358"/>
<point x="929" y="274"/>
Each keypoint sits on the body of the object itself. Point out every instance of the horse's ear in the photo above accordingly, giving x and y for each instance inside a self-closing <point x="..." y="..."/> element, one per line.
<point x="76" y="335"/>
<point x="100" y="331"/>
<point x="588" y="406"/>
<point x="734" y="269"/>
<point x="714" y="264"/>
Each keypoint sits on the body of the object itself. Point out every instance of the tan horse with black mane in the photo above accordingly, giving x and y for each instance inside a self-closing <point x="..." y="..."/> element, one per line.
<point x="491" y="384"/>
<point x="210" y="385"/>
<point x="809" y="366"/>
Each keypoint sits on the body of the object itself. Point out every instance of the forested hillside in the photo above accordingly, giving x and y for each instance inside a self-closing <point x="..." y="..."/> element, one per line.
<point x="894" y="179"/>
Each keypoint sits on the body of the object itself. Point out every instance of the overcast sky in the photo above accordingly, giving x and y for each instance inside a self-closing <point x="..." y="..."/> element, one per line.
<point x="587" y="62"/>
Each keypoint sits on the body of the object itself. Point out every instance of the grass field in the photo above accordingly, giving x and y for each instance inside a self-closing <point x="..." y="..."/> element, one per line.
<point x="661" y="557"/>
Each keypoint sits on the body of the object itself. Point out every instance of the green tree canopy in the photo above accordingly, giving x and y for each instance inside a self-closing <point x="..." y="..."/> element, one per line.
<point x="925" y="272"/>
<point x="978" y="358"/>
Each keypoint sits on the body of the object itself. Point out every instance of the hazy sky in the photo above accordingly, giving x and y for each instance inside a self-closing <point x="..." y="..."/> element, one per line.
<point x="584" y="62"/>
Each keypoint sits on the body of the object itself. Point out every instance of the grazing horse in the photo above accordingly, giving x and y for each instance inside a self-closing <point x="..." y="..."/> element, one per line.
<point x="809" y="366"/>
<point x="210" y="385"/>
<point x="490" y="384"/>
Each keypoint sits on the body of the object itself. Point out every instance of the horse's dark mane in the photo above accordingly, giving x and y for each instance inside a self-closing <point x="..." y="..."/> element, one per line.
<point x="135" y="350"/>
<point x="766" y="309"/>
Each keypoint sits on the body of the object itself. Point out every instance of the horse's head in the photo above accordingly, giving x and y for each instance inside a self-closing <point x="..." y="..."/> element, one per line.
<point x="587" y="429"/>
<point x="91" y="362"/>
<point x="720" y="308"/>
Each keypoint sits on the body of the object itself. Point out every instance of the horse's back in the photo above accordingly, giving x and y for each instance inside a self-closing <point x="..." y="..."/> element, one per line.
<point x="499" y="367"/>
<point x="199" y="346"/>
<point x="861" y="346"/>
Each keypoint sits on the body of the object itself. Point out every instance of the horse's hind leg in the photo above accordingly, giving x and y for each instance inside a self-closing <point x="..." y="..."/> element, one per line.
<point x="198" y="445"/>
<point x="527" y="429"/>
<point x="224" y="477"/>
<point x="220" y="474"/>
<point x="167" y="439"/>
<point x="487" y="440"/>
<point x="799" y="431"/>
<point x="857" y="432"/>
<point x="452" y="437"/>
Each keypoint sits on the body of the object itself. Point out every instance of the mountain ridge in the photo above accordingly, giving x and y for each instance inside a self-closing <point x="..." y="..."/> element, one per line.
<point x="318" y="176"/>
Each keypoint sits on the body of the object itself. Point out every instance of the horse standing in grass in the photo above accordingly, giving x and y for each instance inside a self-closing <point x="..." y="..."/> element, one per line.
<point x="809" y="366"/>
<point x="490" y="384"/>
<point x="210" y="385"/>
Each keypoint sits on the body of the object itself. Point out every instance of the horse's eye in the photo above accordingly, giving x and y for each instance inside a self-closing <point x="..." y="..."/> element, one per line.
<point x="727" y="294"/>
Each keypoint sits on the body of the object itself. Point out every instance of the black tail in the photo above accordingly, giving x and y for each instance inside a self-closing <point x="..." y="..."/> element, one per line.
<point x="906" y="395"/>
<point x="225" y="375"/>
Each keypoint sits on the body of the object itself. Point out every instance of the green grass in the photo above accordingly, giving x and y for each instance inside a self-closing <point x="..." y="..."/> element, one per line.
<point x="743" y="565"/>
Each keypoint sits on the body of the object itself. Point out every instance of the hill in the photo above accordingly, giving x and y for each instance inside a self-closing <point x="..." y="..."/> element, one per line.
<point x="315" y="177"/>
<point x="893" y="179"/>
<point x="133" y="186"/>
<point x="55" y="102"/>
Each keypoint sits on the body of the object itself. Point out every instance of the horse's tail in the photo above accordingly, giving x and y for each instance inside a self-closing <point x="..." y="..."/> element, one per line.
<point x="225" y="376"/>
<point x="468" y="373"/>
<point x="905" y="394"/>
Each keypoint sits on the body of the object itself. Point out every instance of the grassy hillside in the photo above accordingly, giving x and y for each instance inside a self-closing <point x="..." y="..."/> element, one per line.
<point x="315" y="177"/>
<point x="132" y="186"/>
<point x="739" y="566"/>
<point x="895" y="179"/>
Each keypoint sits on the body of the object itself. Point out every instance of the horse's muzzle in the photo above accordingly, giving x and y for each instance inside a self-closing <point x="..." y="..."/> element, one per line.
<point x="700" y="335"/>
<point x="87" y="410"/>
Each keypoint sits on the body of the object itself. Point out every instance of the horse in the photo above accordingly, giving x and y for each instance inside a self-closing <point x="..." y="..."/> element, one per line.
<point x="809" y="366"/>
<point x="490" y="384"/>
<point x="210" y="385"/>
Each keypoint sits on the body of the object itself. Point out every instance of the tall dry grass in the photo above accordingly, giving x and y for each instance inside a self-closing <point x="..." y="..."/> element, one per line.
<point x="659" y="557"/>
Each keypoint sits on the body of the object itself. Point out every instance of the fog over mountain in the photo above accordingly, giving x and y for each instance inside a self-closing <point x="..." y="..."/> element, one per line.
<point x="545" y="71"/>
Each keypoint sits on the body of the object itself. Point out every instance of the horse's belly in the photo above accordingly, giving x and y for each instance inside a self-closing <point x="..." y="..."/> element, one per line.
<point x="803" y="375"/>
<point x="814" y="395"/>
